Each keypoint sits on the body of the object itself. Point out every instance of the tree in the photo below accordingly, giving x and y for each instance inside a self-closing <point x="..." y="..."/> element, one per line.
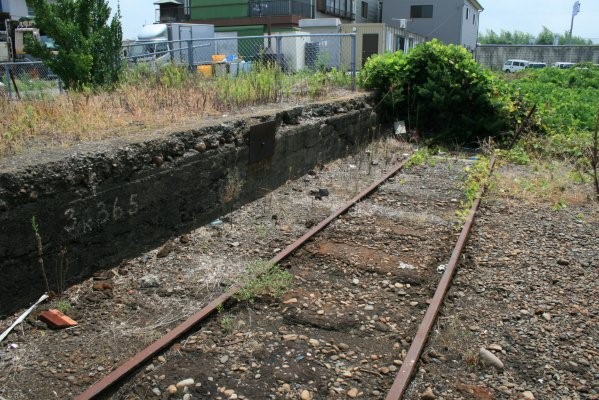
<point x="545" y="37"/>
<point x="89" y="48"/>
<point x="576" y="40"/>
<point x="505" y="37"/>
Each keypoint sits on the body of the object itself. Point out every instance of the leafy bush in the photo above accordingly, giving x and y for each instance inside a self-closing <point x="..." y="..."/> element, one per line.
<point x="440" y="90"/>
<point x="567" y="98"/>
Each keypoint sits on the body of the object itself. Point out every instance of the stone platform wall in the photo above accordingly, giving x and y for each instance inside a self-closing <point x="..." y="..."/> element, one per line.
<point x="99" y="203"/>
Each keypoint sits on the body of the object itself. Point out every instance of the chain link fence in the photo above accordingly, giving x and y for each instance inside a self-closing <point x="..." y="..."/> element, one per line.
<point x="215" y="57"/>
<point x="28" y="80"/>
<point x="231" y="56"/>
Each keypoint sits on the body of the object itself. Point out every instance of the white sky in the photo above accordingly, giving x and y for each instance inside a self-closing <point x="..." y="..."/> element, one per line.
<point x="531" y="15"/>
<point x="523" y="15"/>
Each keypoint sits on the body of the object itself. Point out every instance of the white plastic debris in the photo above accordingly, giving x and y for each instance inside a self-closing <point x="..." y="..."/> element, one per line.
<point x="404" y="265"/>
<point x="22" y="317"/>
<point x="400" y="128"/>
<point x="441" y="268"/>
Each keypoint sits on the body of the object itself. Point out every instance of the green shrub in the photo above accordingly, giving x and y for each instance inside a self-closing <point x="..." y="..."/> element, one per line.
<point x="385" y="73"/>
<point x="440" y="90"/>
<point x="567" y="98"/>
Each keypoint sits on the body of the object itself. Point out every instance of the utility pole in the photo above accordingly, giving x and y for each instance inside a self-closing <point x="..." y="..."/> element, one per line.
<point x="575" y="11"/>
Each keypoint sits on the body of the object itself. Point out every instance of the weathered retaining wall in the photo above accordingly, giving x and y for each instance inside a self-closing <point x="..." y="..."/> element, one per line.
<point x="493" y="56"/>
<point x="98" y="204"/>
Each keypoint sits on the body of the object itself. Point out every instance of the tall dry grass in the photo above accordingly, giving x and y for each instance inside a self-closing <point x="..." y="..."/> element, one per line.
<point x="147" y="100"/>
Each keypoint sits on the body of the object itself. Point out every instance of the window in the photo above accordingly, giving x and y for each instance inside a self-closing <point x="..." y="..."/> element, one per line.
<point x="421" y="11"/>
<point x="400" y="43"/>
<point x="473" y="19"/>
<point x="467" y="12"/>
<point x="364" y="9"/>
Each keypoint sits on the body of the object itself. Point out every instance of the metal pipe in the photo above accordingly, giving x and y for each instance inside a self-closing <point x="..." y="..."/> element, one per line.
<point x="7" y="80"/>
<point x="353" y="62"/>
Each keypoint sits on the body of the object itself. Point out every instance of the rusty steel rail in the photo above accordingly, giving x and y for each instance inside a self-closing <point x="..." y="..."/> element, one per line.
<point x="404" y="376"/>
<point x="144" y="355"/>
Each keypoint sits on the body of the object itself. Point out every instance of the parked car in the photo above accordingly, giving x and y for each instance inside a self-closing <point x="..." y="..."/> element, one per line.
<point x="514" y="65"/>
<point x="564" y="65"/>
<point x="536" y="64"/>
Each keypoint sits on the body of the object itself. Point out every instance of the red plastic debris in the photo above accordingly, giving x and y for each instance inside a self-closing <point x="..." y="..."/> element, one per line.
<point x="56" y="319"/>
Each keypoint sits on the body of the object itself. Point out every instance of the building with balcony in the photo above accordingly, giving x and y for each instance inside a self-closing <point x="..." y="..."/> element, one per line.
<point x="258" y="17"/>
<point x="358" y="11"/>
<point x="450" y="21"/>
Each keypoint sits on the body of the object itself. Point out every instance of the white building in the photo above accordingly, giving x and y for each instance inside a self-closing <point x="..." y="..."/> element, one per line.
<point x="450" y="21"/>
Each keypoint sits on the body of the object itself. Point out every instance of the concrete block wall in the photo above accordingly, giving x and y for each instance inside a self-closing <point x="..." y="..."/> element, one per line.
<point x="493" y="56"/>
<point x="100" y="203"/>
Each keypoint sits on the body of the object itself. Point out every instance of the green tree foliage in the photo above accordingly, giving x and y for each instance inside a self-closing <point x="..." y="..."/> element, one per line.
<point x="440" y="90"/>
<point x="576" y="40"/>
<point x="88" y="46"/>
<point x="505" y="37"/>
<point x="545" y="37"/>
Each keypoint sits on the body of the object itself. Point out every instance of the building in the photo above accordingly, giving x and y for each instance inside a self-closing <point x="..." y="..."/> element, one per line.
<point x="378" y="38"/>
<point x="259" y="17"/>
<point x="14" y="9"/>
<point x="358" y="11"/>
<point x="450" y="21"/>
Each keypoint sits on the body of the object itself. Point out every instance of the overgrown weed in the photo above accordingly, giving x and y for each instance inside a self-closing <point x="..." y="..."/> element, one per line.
<point x="146" y="99"/>
<point x="266" y="280"/>
<point x="549" y="181"/>
<point x="478" y="179"/>
<point x="419" y="157"/>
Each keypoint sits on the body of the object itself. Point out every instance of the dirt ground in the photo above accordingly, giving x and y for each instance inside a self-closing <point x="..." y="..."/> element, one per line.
<point x="526" y="292"/>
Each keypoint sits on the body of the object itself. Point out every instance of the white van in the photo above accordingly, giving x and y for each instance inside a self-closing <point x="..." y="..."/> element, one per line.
<point x="564" y="65"/>
<point x="514" y="65"/>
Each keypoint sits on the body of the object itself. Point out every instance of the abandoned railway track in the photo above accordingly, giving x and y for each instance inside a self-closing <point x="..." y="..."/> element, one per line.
<point x="361" y="288"/>
<point x="363" y="279"/>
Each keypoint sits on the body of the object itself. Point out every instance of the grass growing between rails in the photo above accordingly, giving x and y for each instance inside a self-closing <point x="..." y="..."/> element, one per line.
<point x="145" y="99"/>
<point x="267" y="281"/>
<point x="478" y="179"/>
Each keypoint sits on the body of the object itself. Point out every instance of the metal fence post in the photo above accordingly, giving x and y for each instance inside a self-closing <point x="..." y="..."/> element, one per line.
<point x="353" y="61"/>
<point x="60" y="89"/>
<point x="279" y="50"/>
<point x="7" y="80"/>
<point x="190" y="54"/>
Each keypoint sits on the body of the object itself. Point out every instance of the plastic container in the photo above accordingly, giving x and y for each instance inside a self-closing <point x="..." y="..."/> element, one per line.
<point x="245" y="66"/>
<point x="218" y="57"/>
<point x="234" y="68"/>
<point x="205" y="70"/>
<point x="220" y="69"/>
